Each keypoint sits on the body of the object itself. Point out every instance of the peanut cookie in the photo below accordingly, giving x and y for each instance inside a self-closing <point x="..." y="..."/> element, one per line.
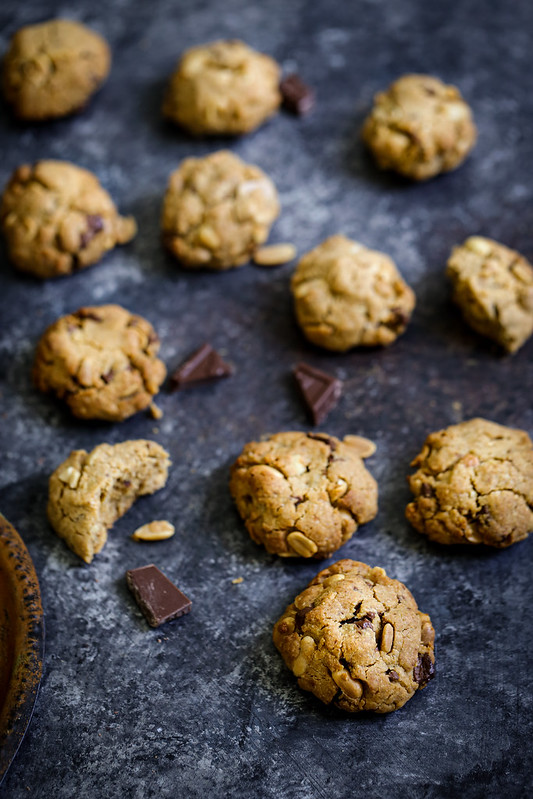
<point x="217" y="211"/>
<point x="223" y="88"/>
<point x="102" y="361"/>
<point x="57" y="218"/>
<point x="474" y="485"/>
<point x="420" y="127"/>
<point x="493" y="286"/>
<point x="304" y="495"/>
<point x="346" y="295"/>
<point x="90" y="491"/>
<point x="356" y="639"/>
<point x="53" y="68"/>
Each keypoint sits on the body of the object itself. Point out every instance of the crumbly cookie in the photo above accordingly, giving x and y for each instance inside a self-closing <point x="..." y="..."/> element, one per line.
<point x="53" y="68"/>
<point x="493" y="286"/>
<point x="356" y="639"/>
<point x="346" y="295"/>
<point x="474" y="485"/>
<point x="57" y="218"/>
<point x="304" y="495"/>
<point x="89" y="491"/>
<point x="223" y="88"/>
<point x="420" y="127"/>
<point x="102" y="361"/>
<point x="217" y="210"/>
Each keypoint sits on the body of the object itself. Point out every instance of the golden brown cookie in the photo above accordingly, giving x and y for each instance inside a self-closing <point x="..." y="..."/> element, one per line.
<point x="356" y="639"/>
<point x="89" y="491"/>
<point x="493" y="286"/>
<point x="223" y="88"/>
<point x="474" y="485"/>
<point x="52" y="69"/>
<point x="304" y="495"/>
<point x="420" y="127"/>
<point x="346" y="295"/>
<point x="57" y="218"/>
<point x="102" y="361"/>
<point x="217" y="211"/>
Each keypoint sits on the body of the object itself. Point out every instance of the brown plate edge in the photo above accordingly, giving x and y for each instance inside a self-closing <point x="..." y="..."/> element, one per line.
<point x="27" y="638"/>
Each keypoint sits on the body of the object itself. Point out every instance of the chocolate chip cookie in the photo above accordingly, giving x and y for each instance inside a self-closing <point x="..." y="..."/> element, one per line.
<point x="89" y="491"/>
<point x="346" y="295"/>
<point x="493" y="286"/>
<point x="57" y="218"/>
<point x="474" y="485"/>
<point x="223" y="88"/>
<point x="53" y="68"/>
<point x="102" y="361"/>
<point x="356" y="639"/>
<point x="420" y="127"/>
<point x="304" y="495"/>
<point x="217" y="210"/>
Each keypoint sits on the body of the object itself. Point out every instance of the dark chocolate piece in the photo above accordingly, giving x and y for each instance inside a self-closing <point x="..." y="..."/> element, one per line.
<point x="95" y="224"/>
<point x="297" y="96"/>
<point x="202" y="366"/>
<point x="320" y="390"/>
<point x="158" y="598"/>
<point x="424" y="671"/>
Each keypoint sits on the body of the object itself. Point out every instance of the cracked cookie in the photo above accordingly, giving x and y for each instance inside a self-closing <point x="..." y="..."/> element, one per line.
<point x="356" y="639"/>
<point x="217" y="211"/>
<point x="89" y="491"/>
<point x="419" y="127"/>
<point x="304" y="495"/>
<point x="57" y="218"/>
<point x="346" y="295"/>
<point x="102" y="361"/>
<point x="474" y="485"/>
<point x="493" y="286"/>
<point x="52" y="69"/>
<point x="223" y="88"/>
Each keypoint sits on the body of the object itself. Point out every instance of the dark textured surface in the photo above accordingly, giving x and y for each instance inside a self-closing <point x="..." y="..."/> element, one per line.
<point x="204" y="706"/>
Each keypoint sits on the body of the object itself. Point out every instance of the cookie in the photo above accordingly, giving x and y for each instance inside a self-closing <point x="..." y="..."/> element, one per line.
<point x="223" y="88"/>
<point x="346" y="295"/>
<point x="57" y="218"/>
<point x="102" y="361"/>
<point x="89" y="491"/>
<point x="493" y="287"/>
<point x="217" y="211"/>
<point x="420" y="127"/>
<point x="52" y="69"/>
<point x="304" y="495"/>
<point x="474" y="485"/>
<point x="356" y="639"/>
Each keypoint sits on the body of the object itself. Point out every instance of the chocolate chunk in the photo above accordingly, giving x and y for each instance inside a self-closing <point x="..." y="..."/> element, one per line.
<point x="320" y="391"/>
<point x="424" y="671"/>
<point x="398" y="319"/>
<point x="297" y="96"/>
<point x="86" y="313"/>
<point x="300" y="616"/>
<point x="363" y="623"/>
<point x="393" y="675"/>
<point x="202" y="366"/>
<point x="95" y="224"/>
<point x="426" y="490"/>
<point x="323" y="437"/>
<point x="158" y="598"/>
<point x="108" y="376"/>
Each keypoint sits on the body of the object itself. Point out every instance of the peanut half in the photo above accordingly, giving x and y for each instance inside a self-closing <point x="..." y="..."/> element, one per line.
<point x="275" y="254"/>
<point x="154" y="531"/>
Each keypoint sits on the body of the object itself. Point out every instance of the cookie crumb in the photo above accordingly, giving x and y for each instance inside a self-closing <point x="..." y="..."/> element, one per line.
<point x="237" y="581"/>
<point x="154" y="531"/>
<point x="155" y="411"/>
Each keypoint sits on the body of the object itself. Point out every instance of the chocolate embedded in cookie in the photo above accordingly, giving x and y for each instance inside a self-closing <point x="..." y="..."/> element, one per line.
<point x="57" y="218"/>
<point x="223" y="88"/>
<point x="53" y="68"/>
<point x="346" y="295"/>
<point x="474" y="485"/>
<point x="304" y="495"/>
<point x="89" y="491"/>
<point x="356" y="639"/>
<point x="420" y="127"/>
<point x="493" y="286"/>
<point x="102" y="361"/>
<point x="217" y="210"/>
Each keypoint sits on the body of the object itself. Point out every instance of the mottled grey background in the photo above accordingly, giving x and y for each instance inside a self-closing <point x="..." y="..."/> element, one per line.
<point x="204" y="706"/>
